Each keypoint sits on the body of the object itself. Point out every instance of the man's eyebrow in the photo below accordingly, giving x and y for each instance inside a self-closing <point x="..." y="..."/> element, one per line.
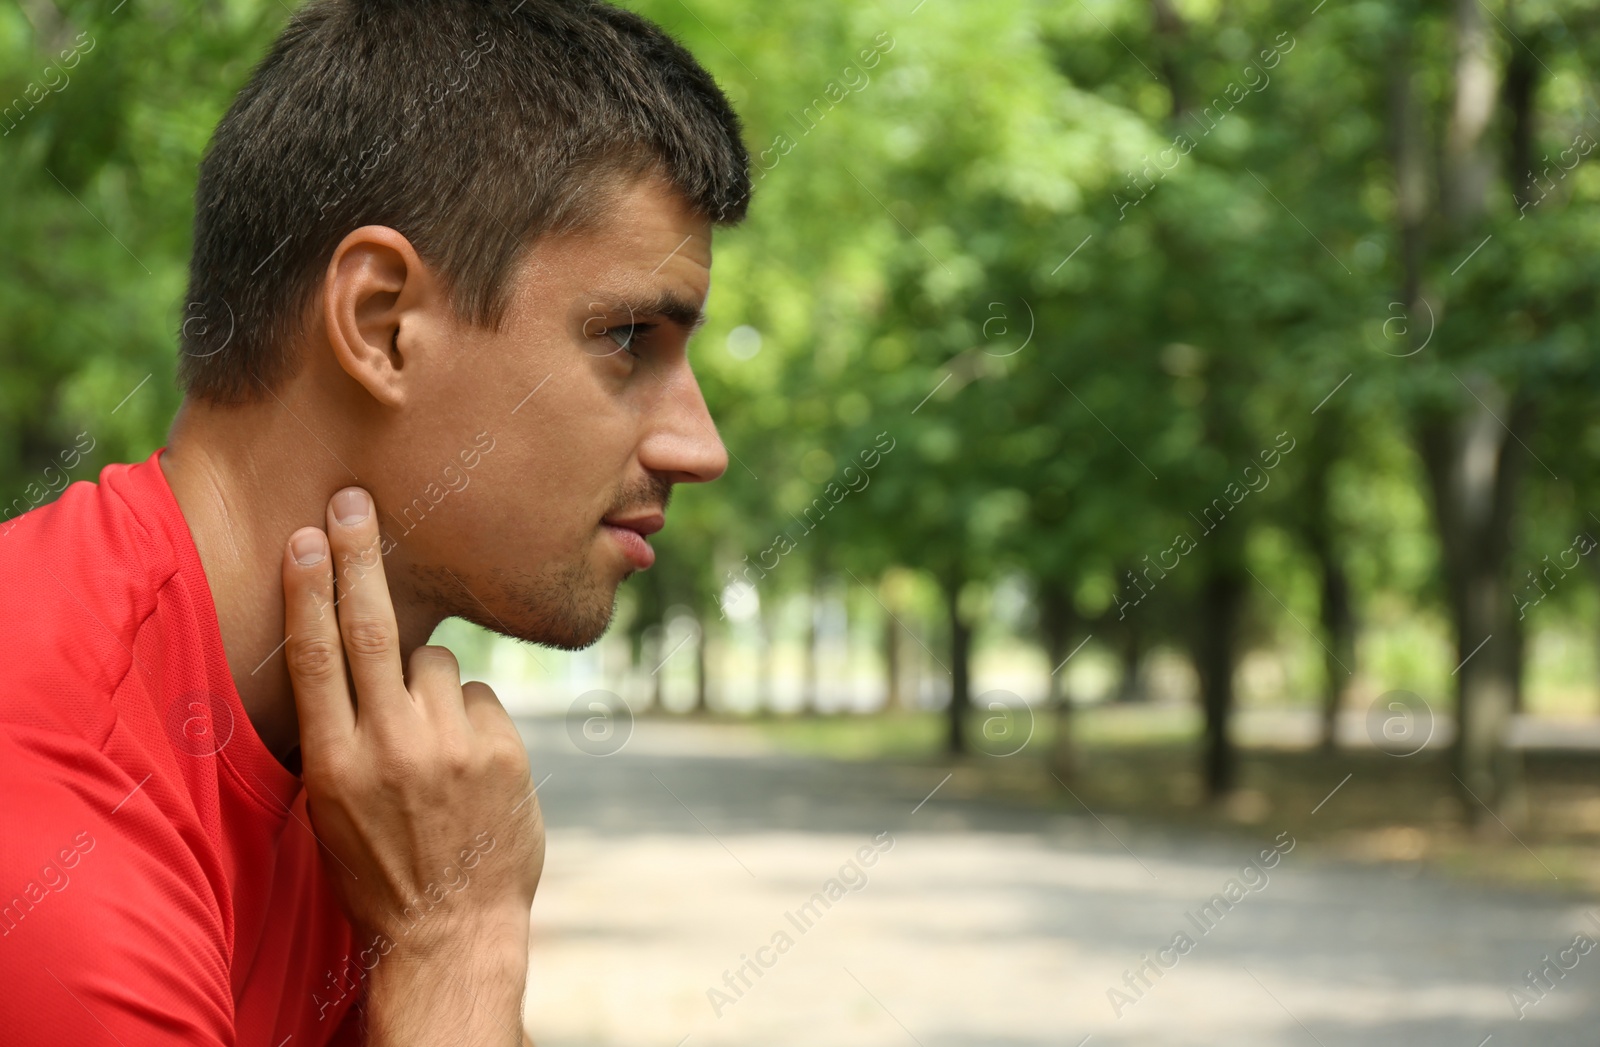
<point x="669" y="304"/>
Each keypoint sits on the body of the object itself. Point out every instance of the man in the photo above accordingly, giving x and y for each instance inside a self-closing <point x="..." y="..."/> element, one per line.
<point x="448" y="255"/>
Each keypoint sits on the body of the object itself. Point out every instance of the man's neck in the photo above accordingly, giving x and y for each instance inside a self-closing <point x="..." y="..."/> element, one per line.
<point x="246" y="477"/>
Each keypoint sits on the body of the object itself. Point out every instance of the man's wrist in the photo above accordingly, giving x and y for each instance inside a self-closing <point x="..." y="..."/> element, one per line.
<point x="450" y="935"/>
<point x="463" y="977"/>
<point x="427" y="928"/>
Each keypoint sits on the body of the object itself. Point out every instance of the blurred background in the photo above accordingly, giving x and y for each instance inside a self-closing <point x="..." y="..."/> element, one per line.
<point x="1162" y="435"/>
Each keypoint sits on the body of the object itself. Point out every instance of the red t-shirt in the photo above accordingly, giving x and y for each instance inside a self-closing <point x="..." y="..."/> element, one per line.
<point x="159" y="883"/>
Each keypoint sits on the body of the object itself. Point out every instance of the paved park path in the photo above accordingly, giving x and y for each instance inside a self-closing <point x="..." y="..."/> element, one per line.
<point x="674" y="859"/>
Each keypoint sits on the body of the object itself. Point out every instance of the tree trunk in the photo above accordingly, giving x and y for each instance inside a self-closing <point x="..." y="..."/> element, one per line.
<point x="1057" y="620"/>
<point x="960" y="680"/>
<point x="659" y="687"/>
<point x="1466" y="166"/>
<point x="810" y="699"/>
<point x="1472" y="469"/>
<point x="1221" y="601"/>
<point x="1464" y="444"/>
<point x="1516" y="649"/>
<point x="1408" y="146"/>
<point x="646" y="625"/>
<point x="1339" y="633"/>
<point x="1522" y="81"/>
<point x="893" y="662"/>
<point x="1485" y="766"/>
<point x="1594" y="567"/>
<point x="701" y="660"/>
<point x="765" y="683"/>
<point x="1337" y="612"/>
<point x="1128" y="688"/>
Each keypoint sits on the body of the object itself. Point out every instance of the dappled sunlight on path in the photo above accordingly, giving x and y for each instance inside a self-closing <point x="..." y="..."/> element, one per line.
<point x="677" y="907"/>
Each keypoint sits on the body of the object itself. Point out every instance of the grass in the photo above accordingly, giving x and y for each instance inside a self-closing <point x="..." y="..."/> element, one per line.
<point x="1360" y="805"/>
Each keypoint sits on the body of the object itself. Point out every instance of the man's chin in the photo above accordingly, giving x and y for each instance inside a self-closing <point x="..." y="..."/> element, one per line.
<point x="569" y="612"/>
<point x="565" y="624"/>
<point x="568" y="640"/>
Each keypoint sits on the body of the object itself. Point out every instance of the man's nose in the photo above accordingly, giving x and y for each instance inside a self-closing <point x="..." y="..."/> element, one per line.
<point x="683" y="445"/>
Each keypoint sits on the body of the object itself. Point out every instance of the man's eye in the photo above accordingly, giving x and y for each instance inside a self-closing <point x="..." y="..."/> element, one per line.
<point x="625" y="336"/>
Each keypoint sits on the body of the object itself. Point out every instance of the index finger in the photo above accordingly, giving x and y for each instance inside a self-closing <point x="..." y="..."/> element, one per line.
<point x="366" y="612"/>
<point x="311" y="644"/>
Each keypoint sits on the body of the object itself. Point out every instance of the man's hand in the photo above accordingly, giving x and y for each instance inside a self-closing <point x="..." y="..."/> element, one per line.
<point x="419" y="789"/>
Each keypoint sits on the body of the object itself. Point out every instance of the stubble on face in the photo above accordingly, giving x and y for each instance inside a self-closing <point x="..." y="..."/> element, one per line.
<point x="564" y="606"/>
<point x="556" y="584"/>
<point x="566" y="603"/>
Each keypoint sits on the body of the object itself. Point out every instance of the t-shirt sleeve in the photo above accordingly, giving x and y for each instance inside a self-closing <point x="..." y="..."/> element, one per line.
<point x="108" y="933"/>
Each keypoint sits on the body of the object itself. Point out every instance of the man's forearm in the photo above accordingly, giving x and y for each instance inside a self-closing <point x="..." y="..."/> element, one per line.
<point x="464" y="987"/>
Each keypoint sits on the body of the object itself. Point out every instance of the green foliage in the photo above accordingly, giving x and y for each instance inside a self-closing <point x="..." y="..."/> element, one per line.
<point x="969" y="234"/>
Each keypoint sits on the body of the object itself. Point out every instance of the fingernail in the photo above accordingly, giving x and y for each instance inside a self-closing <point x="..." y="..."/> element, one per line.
<point x="351" y="506"/>
<point x="308" y="547"/>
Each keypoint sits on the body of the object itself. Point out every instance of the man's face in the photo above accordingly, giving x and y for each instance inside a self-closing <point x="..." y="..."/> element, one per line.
<point x="533" y="436"/>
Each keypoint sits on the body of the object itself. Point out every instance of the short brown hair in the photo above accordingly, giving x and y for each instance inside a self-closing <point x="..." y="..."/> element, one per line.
<point x="471" y="126"/>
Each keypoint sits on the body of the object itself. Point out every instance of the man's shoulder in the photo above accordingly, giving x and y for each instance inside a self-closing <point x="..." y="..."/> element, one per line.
<point x="79" y="577"/>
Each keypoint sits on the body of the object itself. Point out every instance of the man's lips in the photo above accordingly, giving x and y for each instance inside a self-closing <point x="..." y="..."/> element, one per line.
<point x="630" y="534"/>
<point x="644" y="523"/>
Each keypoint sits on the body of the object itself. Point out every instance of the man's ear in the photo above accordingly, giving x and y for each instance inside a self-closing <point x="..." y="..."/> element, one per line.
<point x="376" y="296"/>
